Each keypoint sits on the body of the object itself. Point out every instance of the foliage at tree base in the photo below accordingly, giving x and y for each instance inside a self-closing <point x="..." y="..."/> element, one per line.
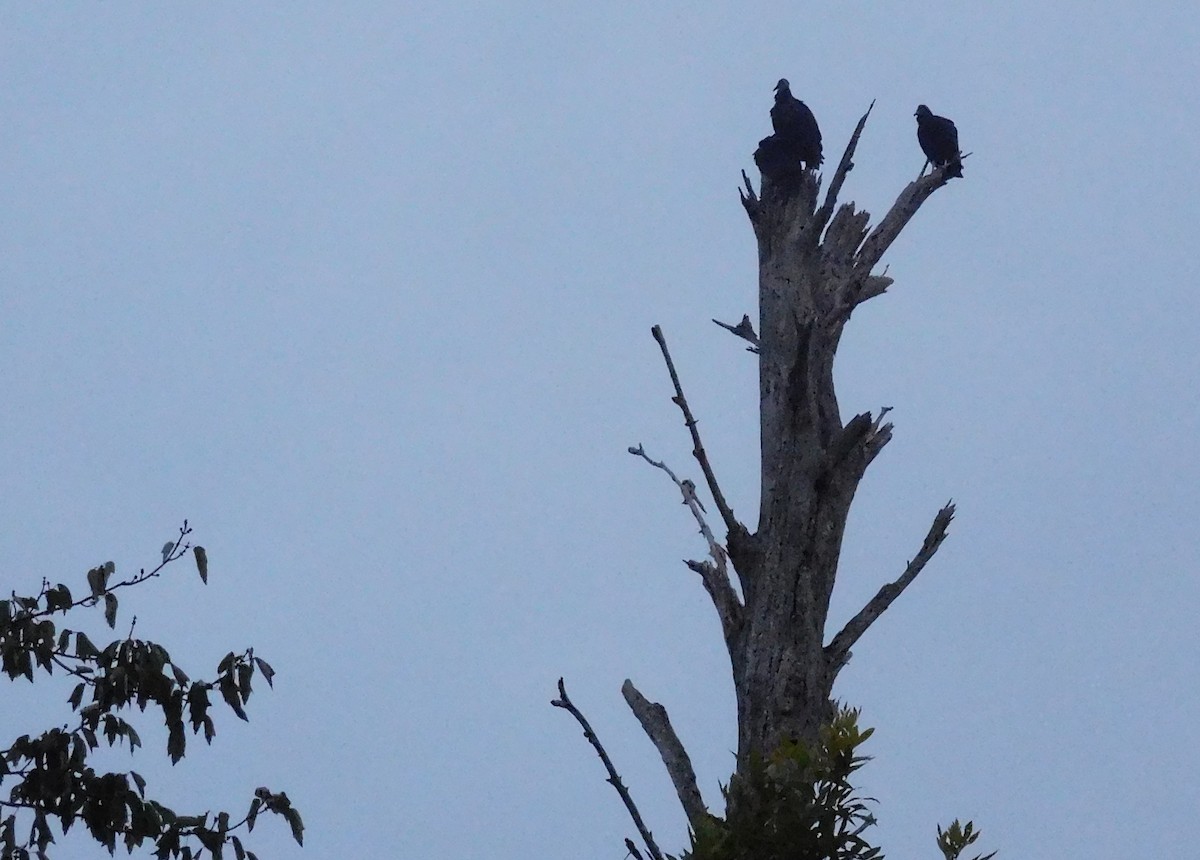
<point x="798" y="804"/>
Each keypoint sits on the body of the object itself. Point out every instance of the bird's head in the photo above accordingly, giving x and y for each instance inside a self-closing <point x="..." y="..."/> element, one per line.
<point x="923" y="112"/>
<point x="782" y="86"/>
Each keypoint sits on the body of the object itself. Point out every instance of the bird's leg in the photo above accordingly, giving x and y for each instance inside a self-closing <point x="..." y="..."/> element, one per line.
<point x="923" y="166"/>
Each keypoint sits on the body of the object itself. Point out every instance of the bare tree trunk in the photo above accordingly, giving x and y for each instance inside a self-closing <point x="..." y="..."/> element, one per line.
<point x="816" y="266"/>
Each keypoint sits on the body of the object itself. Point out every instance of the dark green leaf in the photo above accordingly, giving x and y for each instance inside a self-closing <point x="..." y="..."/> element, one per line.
<point x="293" y="818"/>
<point x="181" y="677"/>
<point x="76" y="696"/>
<point x="95" y="581"/>
<point x="168" y="548"/>
<point x="84" y="649"/>
<point x="139" y="781"/>
<point x="238" y="851"/>
<point x="176" y="742"/>
<point x="267" y="671"/>
<point x="110" y="609"/>
<point x="255" y="805"/>
<point x="244" y="673"/>
<point x="201" y="563"/>
<point x="230" y="693"/>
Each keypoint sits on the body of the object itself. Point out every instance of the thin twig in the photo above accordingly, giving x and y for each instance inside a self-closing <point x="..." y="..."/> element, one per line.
<point x="837" y="649"/>
<point x="715" y="576"/>
<point x="731" y="523"/>
<point x="657" y="725"/>
<point x="563" y="701"/>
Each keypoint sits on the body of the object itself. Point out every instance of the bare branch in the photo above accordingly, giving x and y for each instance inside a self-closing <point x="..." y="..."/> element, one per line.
<point x="564" y="702"/>
<point x="744" y="330"/>
<point x="657" y="724"/>
<point x="731" y="523"/>
<point x="837" y="650"/>
<point x="839" y="177"/>
<point x="749" y="198"/>
<point x="724" y="598"/>
<point x="715" y="576"/>
<point x="902" y="211"/>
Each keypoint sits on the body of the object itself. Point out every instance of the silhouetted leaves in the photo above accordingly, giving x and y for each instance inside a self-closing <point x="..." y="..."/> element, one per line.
<point x="267" y="671"/>
<point x="49" y="775"/>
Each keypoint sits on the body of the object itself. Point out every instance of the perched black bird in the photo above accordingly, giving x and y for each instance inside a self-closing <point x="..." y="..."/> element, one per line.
<point x="795" y="126"/>
<point x="939" y="140"/>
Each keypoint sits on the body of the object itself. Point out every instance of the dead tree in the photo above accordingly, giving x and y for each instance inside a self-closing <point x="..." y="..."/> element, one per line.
<point x="817" y="261"/>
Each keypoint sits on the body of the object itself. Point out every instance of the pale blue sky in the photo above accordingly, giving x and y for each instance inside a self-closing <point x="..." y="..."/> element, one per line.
<point x="364" y="291"/>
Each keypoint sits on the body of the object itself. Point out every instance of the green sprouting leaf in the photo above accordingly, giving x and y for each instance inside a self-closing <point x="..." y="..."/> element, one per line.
<point x="168" y="548"/>
<point x="267" y="671"/>
<point x="110" y="609"/>
<point x="201" y="563"/>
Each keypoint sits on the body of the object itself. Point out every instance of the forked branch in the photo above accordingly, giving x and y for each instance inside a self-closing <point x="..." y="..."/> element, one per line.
<point x="836" y="651"/>
<point x="564" y="702"/>
<point x="657" y="724"/>
<point x="715" y="576"/>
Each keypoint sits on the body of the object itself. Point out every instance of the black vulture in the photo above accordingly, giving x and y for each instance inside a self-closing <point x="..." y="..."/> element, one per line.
<point x="796" y="126"/>
<point x="939" y="140"/>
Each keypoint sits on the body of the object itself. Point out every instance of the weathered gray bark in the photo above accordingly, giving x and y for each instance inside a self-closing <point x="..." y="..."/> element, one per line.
<point x="815" y="266"/>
